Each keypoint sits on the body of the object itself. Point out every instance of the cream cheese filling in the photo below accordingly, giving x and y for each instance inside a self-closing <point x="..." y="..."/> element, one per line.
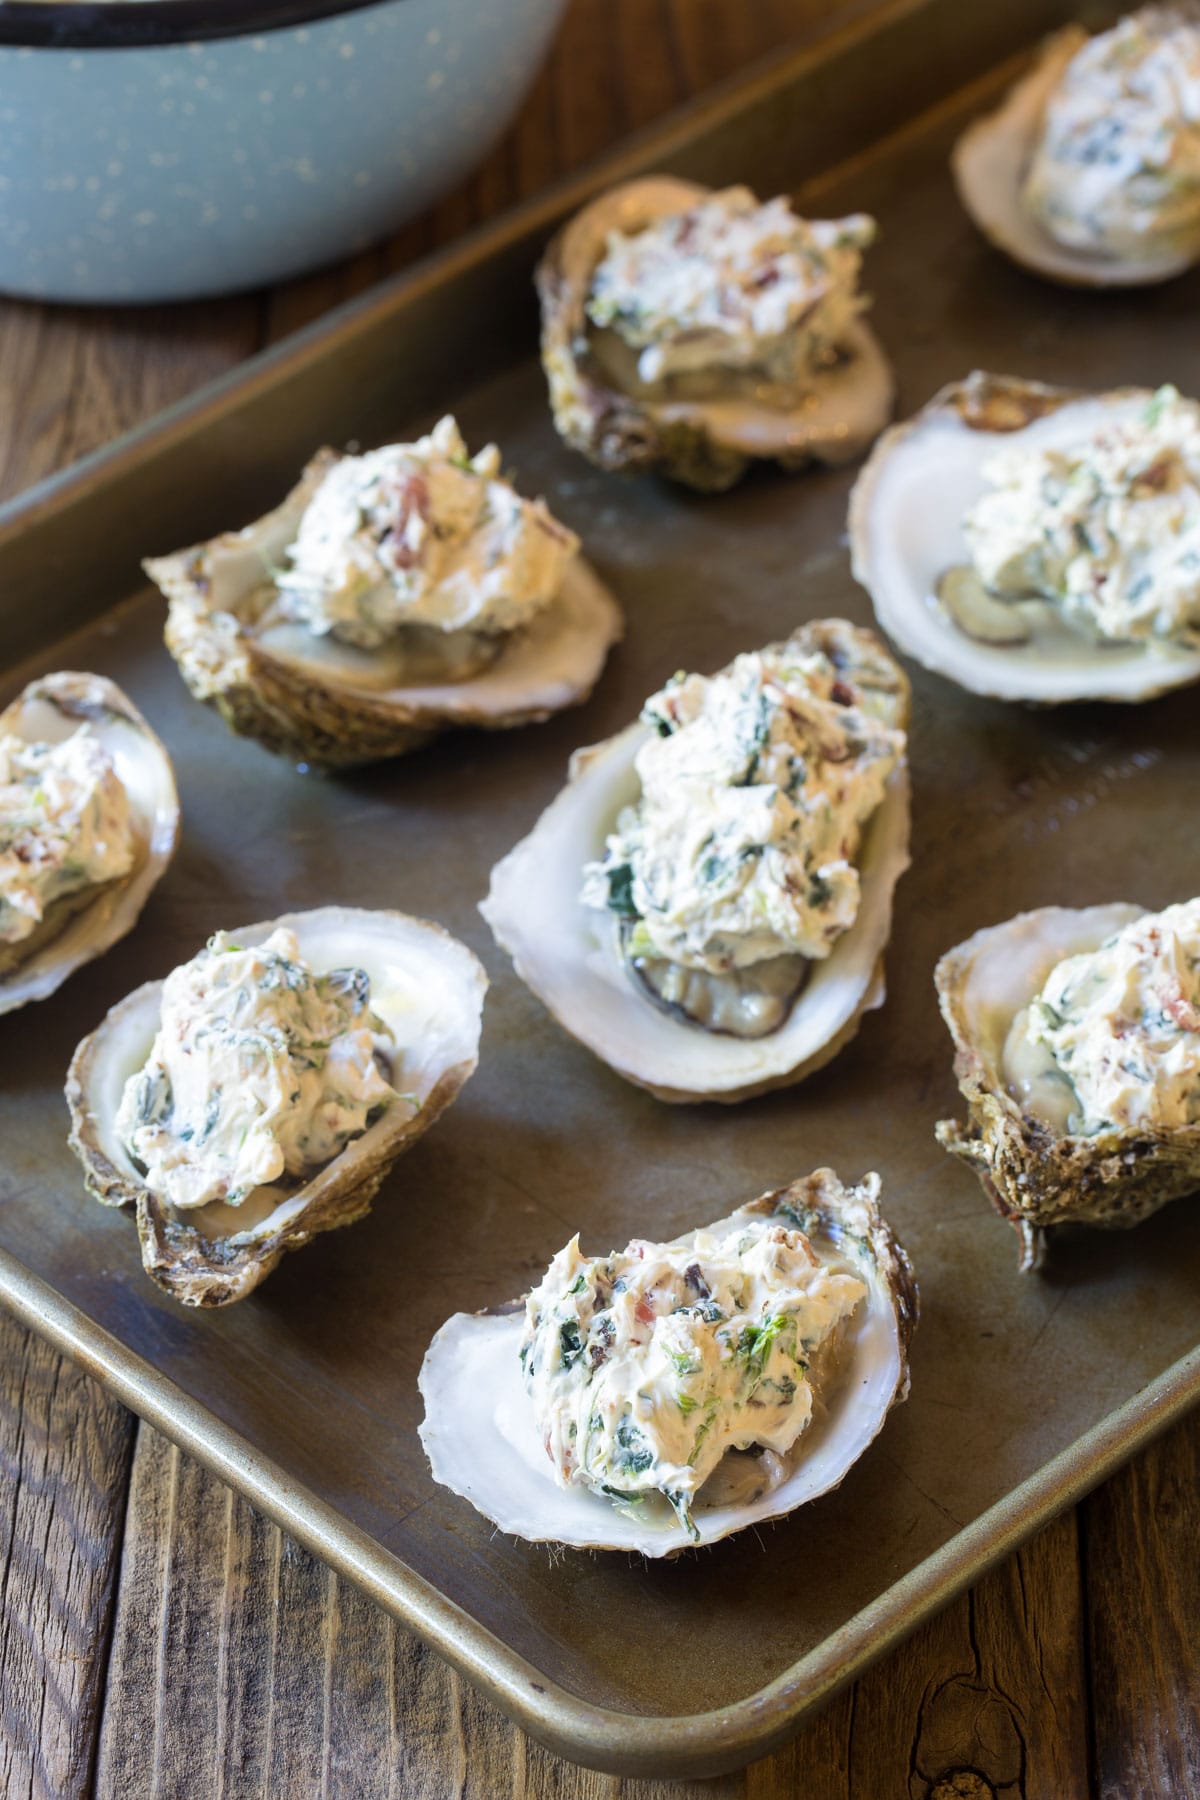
<point x="1112" y="1040"/>
<point x="65" y="825"/>
<point x="1107" y="527"/>
<point x="644" y="1367"/>
<point x="732" y="285"/>
<point x="262" y="1070"/>
<point x="1116" y="166"/>
<point x="421" y="535"/>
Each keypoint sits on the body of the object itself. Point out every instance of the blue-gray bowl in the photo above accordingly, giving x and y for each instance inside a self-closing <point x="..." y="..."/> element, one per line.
<point x="166" y="149"/>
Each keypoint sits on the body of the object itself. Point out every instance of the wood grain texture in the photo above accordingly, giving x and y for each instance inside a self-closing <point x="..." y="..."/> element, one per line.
<point x="239" y="1666"/>
<point x="64" y="1465"/>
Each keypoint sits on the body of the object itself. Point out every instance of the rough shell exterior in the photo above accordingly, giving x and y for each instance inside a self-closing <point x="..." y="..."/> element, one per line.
<point x="286" y="707"/>
<point x="211" y="1272"/>
<point x="1033" y="1176"/>
<point x="616" y="430"/>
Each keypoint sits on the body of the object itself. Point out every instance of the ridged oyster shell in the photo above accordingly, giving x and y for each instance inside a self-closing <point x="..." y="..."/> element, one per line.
<point x="1034" y="1176"/>
<point x="707" y="444"/>
<point x="479" y="1435"/>
<point x="989" y="163"/>
<point x="427" y="987"/>
<point x="567" y="953"/>
<point x="331" y="704"/>
<point x="906" y="514"/>
<point x="84" y="925"/>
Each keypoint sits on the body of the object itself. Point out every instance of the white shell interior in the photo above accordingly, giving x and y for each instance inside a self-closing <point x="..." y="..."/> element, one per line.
<point x="481" y="1441"/>
<point x="845" y="408"/>
<point x="145" y="772"/>
<point x="567" y="952"/>
<point x="906" y="528"/>
<point x="989" y="163"/>
<point x="426" y="986"/>
<point x="1003" y="966"/>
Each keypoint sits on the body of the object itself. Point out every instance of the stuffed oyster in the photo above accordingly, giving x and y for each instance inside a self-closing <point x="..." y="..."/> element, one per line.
<point x="89" y="819"/>
<point x="261" y="1093"/>
<point x="1077" y="1046"/>
<point x="669" y="1394"/>
<point x="392" y="595"/>
<point x="1035" y="543"/>
<point x="707" y="902"/>
<point x="1089" y="172"/>
<point x="692" y="331"/>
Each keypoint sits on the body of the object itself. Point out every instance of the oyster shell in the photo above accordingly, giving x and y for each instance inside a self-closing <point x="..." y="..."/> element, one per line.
<point x="481" y="1441"/>
<point x="906" y="534"/>
<point x="1035" y="1174"/>
<point x="989" y="163"/>
<point x="602" y="409"/>
<point x="426" y="986"/>
<point x="83" y="925"/>
<point x="332" y="704"/>
<point x="569" y="953"/>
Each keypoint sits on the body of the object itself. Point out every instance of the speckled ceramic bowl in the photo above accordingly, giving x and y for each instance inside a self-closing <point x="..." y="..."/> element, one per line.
<point x="164" y="149"/>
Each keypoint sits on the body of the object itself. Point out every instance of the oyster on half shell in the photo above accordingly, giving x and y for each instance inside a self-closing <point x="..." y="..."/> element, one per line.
<point x="703" y="437"/>
<point x="428" y="990"/>
<point x="688" y="1036"/>
<point x="990" y="163"/>
<point x="482" y="1443"/>
<point x="908" y="547"/>
<point x="83" y="924"/>
<point x="331" y="703"/>
<point x="1035" y="1171"/>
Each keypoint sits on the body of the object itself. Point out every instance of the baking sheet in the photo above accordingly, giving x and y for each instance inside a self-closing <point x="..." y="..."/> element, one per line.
<point x="1024" y="1388"/>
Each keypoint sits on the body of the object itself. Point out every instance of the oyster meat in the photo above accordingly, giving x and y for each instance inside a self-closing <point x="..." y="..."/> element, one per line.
<point x="1071" y="581"/>
<point x="671" y="1394"/>
<point x="1077" y="1046"/>
<point x="692" y="331"/>
<point x="1089" y="171"/>
<point x="706" y="903"/>
<point x="263" y="1092"/>
<point x="391" y="596"/>
<point x="89" y="819"/>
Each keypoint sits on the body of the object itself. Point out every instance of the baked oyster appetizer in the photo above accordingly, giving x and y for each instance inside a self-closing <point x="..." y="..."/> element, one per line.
<point x="691" y="331"/>
<point x="89" y="819"/>
<point x="1077" y="1046"/>
<point x="706" y="903"/>
<point x="1089" y="172"/>
<point x="392" y="595"/>
<point x="262" y="1092"/>
<point x="669" y="1394"/>
<point x="1036" y="543"/>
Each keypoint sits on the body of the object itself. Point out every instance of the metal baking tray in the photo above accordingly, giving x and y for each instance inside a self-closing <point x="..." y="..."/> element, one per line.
<point x="1026" y="1389"/>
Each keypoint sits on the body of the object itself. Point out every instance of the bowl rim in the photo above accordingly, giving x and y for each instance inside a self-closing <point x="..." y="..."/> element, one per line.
<point x="142" y="24"/>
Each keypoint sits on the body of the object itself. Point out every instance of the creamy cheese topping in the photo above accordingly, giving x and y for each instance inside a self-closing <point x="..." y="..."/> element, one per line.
<point x="755" y="789"/>
<point x="1117" y="162"/>
<point x="732" y="284"/>
<point x="64" y="825"/>
<point x="261" y="1070"/>
<point x="1109" y="527"/>
<point x="1122" y="1025"/>
<point x="646" y="1366"/>
<point x="422" y="534"/>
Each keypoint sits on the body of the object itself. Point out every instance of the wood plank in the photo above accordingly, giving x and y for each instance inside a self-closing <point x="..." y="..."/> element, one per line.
<point x="1143" y="1591"/>
<point x="64" y="1466"/>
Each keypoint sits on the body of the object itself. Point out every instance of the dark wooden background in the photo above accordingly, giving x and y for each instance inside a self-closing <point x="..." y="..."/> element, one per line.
<point x="159" y="1638"/>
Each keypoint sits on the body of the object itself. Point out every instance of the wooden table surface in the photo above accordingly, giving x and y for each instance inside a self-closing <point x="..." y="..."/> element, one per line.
<point x="160" y="1638"/>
